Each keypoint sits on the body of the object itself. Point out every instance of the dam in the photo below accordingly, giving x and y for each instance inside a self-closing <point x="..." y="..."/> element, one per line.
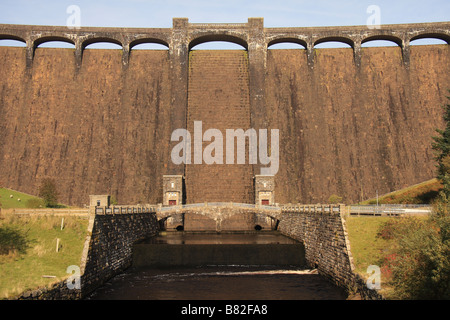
<point x="352" y="122"/>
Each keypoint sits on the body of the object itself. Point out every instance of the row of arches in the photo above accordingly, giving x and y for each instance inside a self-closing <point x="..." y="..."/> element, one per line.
<point x="226" y="42"/>
<point x="373" y="41"/>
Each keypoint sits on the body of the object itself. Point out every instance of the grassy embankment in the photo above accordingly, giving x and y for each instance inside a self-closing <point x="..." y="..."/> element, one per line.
<point x="422" y="193"/>
<point x="10" y="199"/>
<point x="370" y="249"/>
<point x="28" y="252"/>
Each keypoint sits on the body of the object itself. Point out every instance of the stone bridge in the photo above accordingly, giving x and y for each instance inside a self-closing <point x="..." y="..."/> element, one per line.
<point x="221" y="216"/>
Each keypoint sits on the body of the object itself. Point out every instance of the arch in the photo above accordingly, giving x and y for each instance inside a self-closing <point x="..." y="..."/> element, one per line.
<point x="390" y="38"/>
<point x="218" y="37"/>
<point x="12" y="43"/>
<point x="11" y="37"/>
<point x="340" y="39"/>
<point x="378" y="43"/>
<point x="137" y="42"/>
<point x="438" y="36"/>
<point x="288" y="40"/>
<point x="48" y="39"/>
<point x="218" y="45"/>
<point x="90" y="41"/>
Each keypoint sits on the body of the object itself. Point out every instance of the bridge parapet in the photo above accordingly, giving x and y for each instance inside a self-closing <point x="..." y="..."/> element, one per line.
<point x="273" y="211"/>
<point x="251" y="35"/>
<point x="312" y="208"/>
<point x="124" y="209"/>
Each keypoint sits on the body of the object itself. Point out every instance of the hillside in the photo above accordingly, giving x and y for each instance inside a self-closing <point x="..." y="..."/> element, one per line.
<point x="14" y="199"/>
<point x="10" y="199"/>
<point x="422" y="193"/>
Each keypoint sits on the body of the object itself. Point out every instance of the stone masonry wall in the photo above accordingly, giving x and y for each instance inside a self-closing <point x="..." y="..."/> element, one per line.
<point x="327" y="247"/>
<point x="97" y="130"/>
<point x="344" y="129"/>
<point x="352" y="131"/>
<point x="325" y="242"/>
<point x="218" y="95"/>
<point x="110" y="245"/>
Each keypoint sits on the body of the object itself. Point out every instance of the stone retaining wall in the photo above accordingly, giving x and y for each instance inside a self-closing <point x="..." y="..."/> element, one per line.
<point x="327" y="247"/>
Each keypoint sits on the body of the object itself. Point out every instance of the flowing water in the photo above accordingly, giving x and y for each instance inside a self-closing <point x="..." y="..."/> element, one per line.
<point x="219" y="282"/>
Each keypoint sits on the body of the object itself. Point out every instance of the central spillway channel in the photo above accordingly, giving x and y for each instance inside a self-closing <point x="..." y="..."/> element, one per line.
<point x="181" y="249"/>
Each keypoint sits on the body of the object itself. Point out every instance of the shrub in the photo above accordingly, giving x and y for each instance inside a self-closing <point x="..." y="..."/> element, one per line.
<point x="35" y="203"/>
<point x="418" y="262"/>
<point x="334" y="199"/>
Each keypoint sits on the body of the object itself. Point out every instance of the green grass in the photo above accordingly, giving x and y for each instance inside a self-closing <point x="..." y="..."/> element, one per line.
<point x="368" y="249"/>
<point x="22" y="268"/>
<point x="422" y="193"/>
<point x="7" y="202"/>
<point x="20" y="200"/>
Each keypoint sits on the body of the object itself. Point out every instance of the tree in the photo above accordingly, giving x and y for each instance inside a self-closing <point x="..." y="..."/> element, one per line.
<point x="48" y="192"/>
<point x="334" y="198"/>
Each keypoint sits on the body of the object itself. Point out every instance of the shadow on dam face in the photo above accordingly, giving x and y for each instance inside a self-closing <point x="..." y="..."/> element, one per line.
<point x="183" y="249"/>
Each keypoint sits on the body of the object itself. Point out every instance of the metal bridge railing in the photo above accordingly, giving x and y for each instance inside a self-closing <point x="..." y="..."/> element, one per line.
<point x="293" y="208"/>
<point x="389" y="210"/>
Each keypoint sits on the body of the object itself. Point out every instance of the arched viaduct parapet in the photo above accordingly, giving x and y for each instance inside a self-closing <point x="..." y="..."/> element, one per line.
<point x="354" y="36"/>
<point x="251" y="35"/>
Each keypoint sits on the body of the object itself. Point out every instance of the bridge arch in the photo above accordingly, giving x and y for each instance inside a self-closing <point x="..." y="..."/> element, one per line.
<point x="344" y="40"/>
<point x="426" y="35"/>
<point x="12" y="37"/>
<point x="294" y="40"/>
<point x="220" y="216"/>
<point x="136" y="42"/>
<point x="90" y="41"/>
<point x="46" y="39"/>
<point x="390" y="38"/>
<point x="218" y="37"/>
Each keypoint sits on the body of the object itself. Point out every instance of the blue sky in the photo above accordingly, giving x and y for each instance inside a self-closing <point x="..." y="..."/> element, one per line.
<point x="276" y="13"/>
<point x="284" y="13"/>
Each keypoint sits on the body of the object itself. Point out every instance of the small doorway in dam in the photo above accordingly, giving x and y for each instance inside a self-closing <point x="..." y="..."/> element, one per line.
<point x="172" y="202"/>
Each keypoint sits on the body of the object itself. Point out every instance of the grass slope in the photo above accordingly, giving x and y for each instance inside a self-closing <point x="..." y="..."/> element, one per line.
<point x="28" y="250"/>
<point x="422" y="193"/>
<point x="18" y="199"/>
<point x="10" y="199"/>
<point x="368" y="249"/>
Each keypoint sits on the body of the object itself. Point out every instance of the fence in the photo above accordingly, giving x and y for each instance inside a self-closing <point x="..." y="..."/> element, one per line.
<point x="50" y="211"/>
<point x="319" y="208"/>
<point x="389" y="210"/>
<point x="358" y="210"/>
<point x="218" y="204"/>
<point x="124" y="210"/>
